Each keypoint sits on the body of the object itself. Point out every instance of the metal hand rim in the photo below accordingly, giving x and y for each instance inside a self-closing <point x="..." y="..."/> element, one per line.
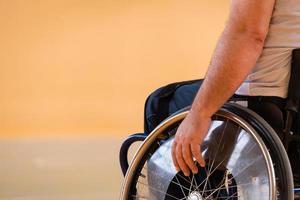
<point x="180" y="116"/>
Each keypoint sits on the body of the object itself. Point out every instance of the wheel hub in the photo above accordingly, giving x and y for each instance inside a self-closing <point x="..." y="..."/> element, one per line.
<point x="195" y="196"/>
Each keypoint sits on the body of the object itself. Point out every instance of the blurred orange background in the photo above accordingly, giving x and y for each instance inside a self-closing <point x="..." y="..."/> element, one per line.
<point x="74" y="76"/>
<point x="71" y="67"/>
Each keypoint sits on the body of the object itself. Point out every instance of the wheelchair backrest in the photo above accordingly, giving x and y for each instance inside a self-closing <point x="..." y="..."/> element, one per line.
<point x="293" y="99"/>
<point x="294" y="84"/>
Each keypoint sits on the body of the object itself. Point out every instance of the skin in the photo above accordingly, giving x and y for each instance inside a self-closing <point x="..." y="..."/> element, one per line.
<point x="236" y="53"/>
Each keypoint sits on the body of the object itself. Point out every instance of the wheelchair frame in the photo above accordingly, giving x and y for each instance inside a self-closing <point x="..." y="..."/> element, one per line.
<point x="142" y="137"/>
<point x="291" y="111"/>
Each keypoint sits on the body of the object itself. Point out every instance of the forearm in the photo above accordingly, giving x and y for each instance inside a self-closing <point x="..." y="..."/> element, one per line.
<point x="235" y="55"/>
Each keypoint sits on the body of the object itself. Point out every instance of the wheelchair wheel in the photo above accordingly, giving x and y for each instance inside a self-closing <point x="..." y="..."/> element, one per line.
<point x="245" y="160"/>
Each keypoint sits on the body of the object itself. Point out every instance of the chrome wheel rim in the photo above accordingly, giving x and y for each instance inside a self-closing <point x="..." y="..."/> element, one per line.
<point x="247" y="170"/>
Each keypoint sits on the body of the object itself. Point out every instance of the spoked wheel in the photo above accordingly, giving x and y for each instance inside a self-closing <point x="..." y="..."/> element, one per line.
<point x="239" y="163"/>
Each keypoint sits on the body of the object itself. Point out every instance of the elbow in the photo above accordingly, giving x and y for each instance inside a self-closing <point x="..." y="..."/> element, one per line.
<point x="256" y="35"/>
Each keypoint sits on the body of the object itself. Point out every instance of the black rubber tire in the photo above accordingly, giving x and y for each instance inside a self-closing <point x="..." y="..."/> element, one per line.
<point x="277" y="151"/>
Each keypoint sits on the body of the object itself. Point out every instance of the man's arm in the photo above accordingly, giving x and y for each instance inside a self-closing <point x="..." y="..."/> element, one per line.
<point x="236" y="53"/>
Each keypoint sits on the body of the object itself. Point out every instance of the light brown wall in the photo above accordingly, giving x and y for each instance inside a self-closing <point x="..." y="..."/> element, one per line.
<point x="86" y="66"/>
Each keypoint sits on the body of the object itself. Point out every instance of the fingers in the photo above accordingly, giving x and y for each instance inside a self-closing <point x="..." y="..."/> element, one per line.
<point x="182" y="155"/>
<point x="188" y="158"/>
<point x="174" y="156"/>
<point x="182" y="165"/>
<point x="196" y="152"/>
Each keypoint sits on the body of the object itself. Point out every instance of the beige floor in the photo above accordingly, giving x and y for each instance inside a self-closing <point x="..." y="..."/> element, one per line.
<point x="83" y="168"/>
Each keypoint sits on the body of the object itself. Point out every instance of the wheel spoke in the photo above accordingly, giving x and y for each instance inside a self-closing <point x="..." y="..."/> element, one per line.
<point x="210" y="174"/>
<point x="192" y="183"/>
<point x="215" y="156"/>
<point x="181" y="187"/>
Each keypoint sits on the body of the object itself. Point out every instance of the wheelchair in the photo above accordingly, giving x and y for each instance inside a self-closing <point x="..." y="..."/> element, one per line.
<point x="245" y="158"/>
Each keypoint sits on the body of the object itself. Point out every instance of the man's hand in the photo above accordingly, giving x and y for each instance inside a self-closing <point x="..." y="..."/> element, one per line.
<point x="188" y="139"/>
